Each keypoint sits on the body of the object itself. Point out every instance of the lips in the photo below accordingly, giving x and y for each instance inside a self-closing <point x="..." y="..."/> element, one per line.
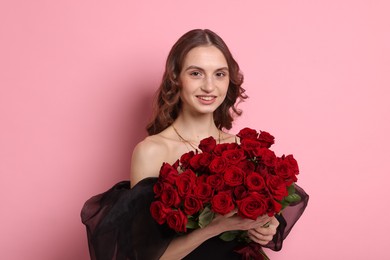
<point x="206" y="99"/>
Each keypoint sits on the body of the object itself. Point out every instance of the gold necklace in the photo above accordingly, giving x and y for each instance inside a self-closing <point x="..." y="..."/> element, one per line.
<point x="184" y="140"/>
<point x="189" y="142"/>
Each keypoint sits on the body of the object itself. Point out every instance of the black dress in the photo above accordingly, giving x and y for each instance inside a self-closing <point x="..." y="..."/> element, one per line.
<point x="120" y="226"/>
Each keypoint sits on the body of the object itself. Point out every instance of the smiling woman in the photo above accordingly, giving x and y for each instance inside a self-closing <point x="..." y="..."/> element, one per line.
<point x="204" y="80"/>
<point x="168" y="103"/>
<point x="196" y="100"/>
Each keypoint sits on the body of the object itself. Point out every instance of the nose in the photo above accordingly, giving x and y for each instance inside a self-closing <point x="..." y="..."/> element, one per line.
<point x="208" y="84"/>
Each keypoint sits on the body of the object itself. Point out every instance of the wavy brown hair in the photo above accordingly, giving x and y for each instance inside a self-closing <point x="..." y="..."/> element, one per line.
<point x="167" y="104"/>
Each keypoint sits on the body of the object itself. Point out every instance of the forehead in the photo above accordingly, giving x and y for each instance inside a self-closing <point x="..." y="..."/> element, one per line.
<point x="205" y="56"/>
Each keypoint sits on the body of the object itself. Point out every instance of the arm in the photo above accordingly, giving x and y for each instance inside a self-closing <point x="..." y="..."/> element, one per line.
<point x="183" y="245"/>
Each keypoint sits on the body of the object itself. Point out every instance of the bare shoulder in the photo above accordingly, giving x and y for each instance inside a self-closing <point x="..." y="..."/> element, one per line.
<point x="147" y="158"/>
<point x="151" y="146"/>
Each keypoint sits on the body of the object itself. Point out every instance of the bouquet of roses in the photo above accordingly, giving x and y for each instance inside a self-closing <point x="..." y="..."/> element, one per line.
<point x="248" y="177"/>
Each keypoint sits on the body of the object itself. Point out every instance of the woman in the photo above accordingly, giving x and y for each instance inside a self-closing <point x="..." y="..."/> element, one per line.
<point x="200" y="86"/>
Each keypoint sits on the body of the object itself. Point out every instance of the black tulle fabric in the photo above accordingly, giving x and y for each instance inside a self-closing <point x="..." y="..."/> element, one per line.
<point x="120" y="227"/>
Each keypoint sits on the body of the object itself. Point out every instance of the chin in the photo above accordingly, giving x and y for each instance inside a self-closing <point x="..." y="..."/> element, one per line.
<point x="209" y="110"/>
<point x="204" y="109"/>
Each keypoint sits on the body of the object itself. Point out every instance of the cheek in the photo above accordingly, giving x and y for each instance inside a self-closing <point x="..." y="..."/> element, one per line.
<point x="183" y="91"/>
<point x="187" y="86"/>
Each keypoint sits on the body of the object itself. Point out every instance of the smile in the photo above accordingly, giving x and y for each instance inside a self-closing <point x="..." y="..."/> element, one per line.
<point x="206" y="98"/>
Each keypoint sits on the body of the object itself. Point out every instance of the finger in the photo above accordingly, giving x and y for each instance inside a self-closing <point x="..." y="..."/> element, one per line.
<point x="259" y="238"/>
<point x="270" y="231"/>
<point x="272" y="223"/>
<point x="231" y="213"/>
<point x="264" y="219"/>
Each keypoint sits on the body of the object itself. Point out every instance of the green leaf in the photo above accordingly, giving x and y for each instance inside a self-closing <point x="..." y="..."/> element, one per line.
<point x="297" y="197"/>
<point x="291" y="189"/>
<point x="284" y="203"/>
<point x="293" y="198"/>
<point x="192" y="224"/>
<point x="229" y="235"/>
<point x="205" y="217"/>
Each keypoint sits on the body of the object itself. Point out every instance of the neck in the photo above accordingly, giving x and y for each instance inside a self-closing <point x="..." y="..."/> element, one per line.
<point x="196" y="128"/>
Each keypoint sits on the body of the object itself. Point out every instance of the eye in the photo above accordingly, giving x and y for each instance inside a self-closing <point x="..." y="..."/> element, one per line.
<point x="195" y="73"/>
<point x="221" y="74"/>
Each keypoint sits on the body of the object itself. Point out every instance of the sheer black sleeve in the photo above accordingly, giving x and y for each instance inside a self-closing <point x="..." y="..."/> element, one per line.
<point x="119" y="225"/>
<point x="288" y="218"/>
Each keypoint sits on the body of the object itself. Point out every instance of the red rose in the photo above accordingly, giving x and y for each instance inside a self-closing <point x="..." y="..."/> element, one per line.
<point x="175" y="165"/>
<point x="194" y="161"/>
<point x="185" y="184"/>
<point x="232" y="146"/>
<point x="159" y="211"/>
<point x="216" y="181"/>
<point x="168" y="173"/>
<point x="220" y="148"/>
<point x="266" y="139"/>
<point x="169" y="196"/>
<point x="267" y="156"/>
<point x="262" y="170"/>
<point x="287" y="169"/>
<point x="234" y="156"/>
<point x="203" y="191"/>
<point x="247" y="166"/>
<point x="158" y="188"/>
<point x="192" y="205"/>
<point x="189" y="174"/>
<point x="247" y="133"/>
<point x="234" y="176"/>
<point x="205" y="159"/>
<point x="274" y="207"/>
<point x="222" y="203"/>
<point x="292" y="164"/>
<point x="254" y="182"/>
<point x="239" y="192"/>
<point x="218" y="165"/>
<point x="177" y="220"/>
<point x="276" y="186"/>
<point x="253" y="206"/>
<point x="250" y="146"/>
<point x="201" y="179"/>
<point x="207" y="145"/>
<point x="185" y="159"/>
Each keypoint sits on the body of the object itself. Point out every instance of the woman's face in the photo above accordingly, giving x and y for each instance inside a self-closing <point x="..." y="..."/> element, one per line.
<point x="204" y="80"/>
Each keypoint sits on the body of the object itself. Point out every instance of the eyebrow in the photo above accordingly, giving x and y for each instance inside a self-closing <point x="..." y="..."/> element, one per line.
<point x="199" y="68"/>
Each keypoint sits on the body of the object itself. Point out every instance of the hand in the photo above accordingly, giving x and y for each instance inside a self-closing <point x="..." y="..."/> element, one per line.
<point x="263" y="235"/>
<point x="232" y="221"/>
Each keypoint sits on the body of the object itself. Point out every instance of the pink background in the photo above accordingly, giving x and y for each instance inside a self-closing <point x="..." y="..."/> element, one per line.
<point x="77" y="78"/>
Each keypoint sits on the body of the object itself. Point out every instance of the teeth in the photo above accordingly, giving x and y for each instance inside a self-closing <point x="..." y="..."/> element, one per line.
<point x="206" y="98"/>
